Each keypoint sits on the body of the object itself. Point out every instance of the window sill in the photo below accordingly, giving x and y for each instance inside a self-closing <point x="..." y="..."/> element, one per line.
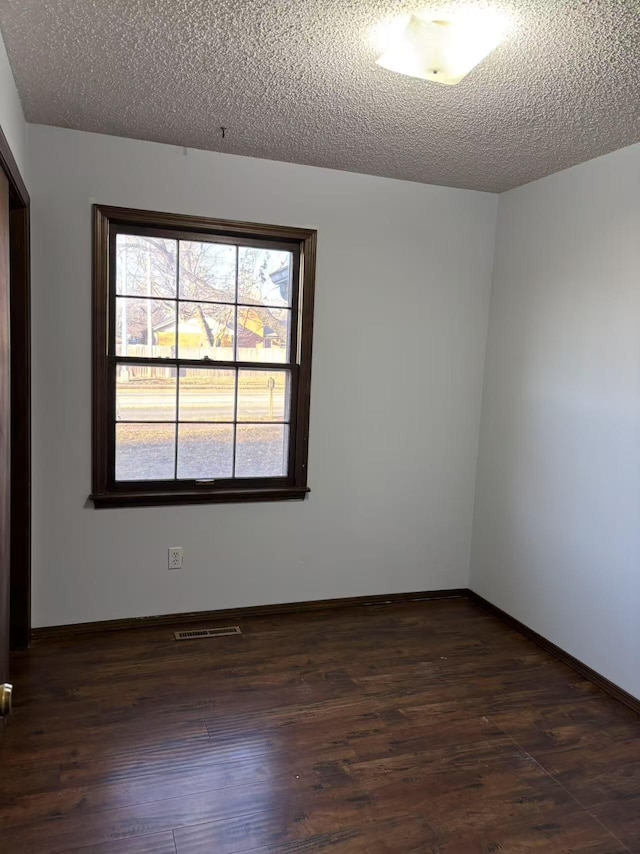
<point x="227" y="496"/>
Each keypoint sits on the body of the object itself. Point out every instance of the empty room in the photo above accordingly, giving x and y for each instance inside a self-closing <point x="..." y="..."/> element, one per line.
<point x="319" y="426"/>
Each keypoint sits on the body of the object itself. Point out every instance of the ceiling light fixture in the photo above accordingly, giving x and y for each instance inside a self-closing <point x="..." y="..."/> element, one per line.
<point x="443" y="50"/>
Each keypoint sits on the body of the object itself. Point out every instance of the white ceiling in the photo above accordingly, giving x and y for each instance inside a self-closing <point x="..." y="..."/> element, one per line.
<point x="296" y="80"/>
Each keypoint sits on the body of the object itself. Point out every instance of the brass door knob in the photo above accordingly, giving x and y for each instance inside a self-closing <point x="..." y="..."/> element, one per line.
<point x="5" y="699"/>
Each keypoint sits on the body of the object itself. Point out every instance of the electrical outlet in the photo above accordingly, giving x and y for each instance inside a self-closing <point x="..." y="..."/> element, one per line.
<point x="175" y="557"/>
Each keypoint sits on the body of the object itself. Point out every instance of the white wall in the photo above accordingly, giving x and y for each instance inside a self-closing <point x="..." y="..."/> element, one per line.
<point x="11" y="117"/>
<point x="392" y="445"/>
<point x="557" y="523"/>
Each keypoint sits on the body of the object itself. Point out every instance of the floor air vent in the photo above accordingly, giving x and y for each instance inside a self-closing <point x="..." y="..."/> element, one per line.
<point x="208" y="633"/>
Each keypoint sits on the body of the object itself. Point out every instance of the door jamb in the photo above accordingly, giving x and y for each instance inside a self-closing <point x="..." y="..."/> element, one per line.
<point x="20" y="343"/>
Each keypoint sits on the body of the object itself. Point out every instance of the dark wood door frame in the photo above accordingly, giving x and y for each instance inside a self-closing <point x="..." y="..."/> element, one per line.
<point x="20" y="322"/>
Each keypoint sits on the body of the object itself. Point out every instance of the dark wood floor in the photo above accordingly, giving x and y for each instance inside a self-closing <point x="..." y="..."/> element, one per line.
<point x="424" y="727"/>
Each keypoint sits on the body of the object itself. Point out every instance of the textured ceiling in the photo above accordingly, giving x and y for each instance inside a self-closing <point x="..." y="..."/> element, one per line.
<point x="296" y="80"/>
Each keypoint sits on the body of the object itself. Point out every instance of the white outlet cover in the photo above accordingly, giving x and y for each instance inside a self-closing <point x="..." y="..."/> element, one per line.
<point x="175" y="557"/>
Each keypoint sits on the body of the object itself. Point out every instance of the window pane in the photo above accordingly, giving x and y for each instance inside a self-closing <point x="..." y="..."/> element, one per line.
<point x="207" y="394"/>
<point x="145" y="393"/>
<point x="264" y="276"/>
<point x="206" y="330"/>
<point x="205" y="451"/>
<point x="145" y="266"/>
<point x="145" y="451"/>
<point x="145" y="327"/>
<point x="207" y="271"/>
<point x="263" y="334"/>
<point x="263" y="395"/>
<point x="261" y="450"/>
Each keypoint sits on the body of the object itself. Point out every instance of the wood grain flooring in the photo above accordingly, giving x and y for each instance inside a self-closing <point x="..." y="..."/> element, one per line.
<point x="427" y="727"/>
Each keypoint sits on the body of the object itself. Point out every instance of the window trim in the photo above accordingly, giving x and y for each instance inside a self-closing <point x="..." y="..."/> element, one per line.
<point x="106" y="492"/>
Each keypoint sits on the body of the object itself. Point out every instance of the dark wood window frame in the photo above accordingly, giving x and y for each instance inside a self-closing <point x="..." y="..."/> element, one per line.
<point x="106" y="491"/>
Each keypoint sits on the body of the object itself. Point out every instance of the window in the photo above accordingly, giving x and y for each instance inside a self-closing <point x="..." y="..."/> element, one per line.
<point x="201" y="359"/>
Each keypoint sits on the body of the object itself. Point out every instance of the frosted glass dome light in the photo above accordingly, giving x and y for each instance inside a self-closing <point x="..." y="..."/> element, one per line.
<point x="444" y="51"/>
